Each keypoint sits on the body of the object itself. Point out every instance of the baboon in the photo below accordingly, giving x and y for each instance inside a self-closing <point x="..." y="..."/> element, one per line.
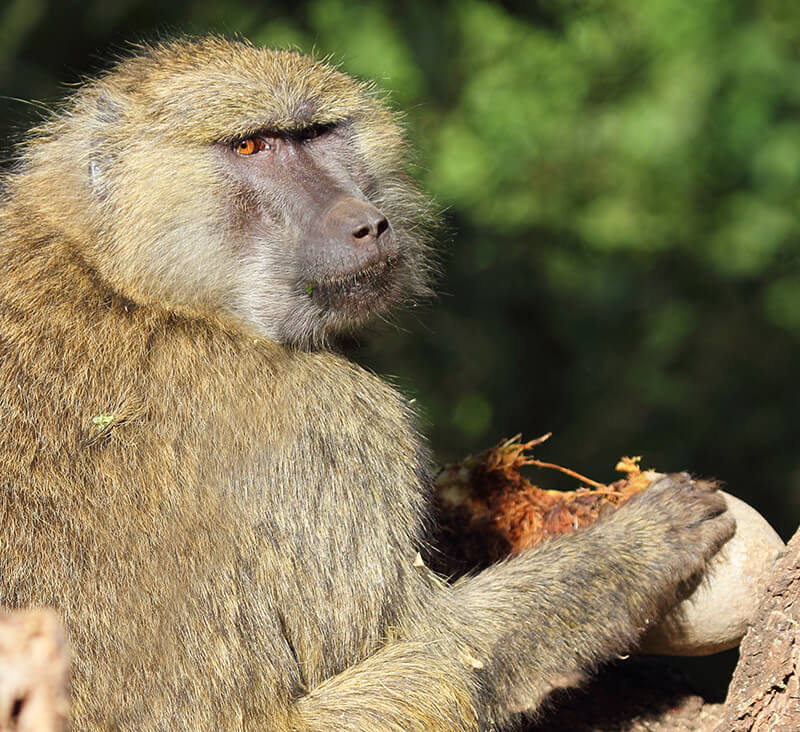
<point x="231" y="518"/>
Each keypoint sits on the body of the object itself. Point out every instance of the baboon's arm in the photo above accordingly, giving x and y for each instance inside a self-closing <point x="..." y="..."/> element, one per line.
<point x="499" y="641"/>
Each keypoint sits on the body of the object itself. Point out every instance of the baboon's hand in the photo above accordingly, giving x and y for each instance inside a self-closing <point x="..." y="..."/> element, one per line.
<point x="685" y="520"/>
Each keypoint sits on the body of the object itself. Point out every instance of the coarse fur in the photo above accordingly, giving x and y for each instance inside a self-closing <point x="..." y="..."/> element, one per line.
<point x="226" y="514"/>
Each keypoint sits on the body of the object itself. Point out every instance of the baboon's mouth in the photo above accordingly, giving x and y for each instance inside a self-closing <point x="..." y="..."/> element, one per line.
<point x="367" y="289"/>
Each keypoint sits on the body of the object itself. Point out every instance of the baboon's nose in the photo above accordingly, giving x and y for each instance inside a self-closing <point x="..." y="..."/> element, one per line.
<point x="374" y="224"/>
<point x="357" y="222"/>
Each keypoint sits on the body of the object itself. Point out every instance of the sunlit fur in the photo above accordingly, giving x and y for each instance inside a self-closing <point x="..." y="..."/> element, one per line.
<point x="232" y="527"/>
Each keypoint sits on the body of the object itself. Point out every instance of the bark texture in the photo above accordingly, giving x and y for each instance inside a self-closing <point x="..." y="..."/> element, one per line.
<point x="764" y="695"/>
<point x="34" y="670"/>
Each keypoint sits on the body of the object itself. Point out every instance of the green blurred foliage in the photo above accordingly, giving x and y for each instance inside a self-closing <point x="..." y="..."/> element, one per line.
<point x="619" y="182"/>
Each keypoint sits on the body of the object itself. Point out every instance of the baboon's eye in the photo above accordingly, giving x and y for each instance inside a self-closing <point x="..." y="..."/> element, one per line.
<point x="250" y="145"/>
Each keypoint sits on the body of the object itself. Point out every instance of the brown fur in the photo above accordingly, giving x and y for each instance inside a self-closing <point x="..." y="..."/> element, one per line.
<point x="228" y="524"/>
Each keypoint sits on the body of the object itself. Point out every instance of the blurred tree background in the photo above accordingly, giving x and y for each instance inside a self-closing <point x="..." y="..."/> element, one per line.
<point x="619" y="183"/>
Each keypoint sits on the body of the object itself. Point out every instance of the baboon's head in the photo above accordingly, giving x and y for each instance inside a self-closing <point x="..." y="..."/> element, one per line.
<point x="214" y="176"/>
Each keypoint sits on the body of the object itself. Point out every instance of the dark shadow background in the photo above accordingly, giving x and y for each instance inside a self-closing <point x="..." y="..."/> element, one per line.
<point x="619" y="181"/>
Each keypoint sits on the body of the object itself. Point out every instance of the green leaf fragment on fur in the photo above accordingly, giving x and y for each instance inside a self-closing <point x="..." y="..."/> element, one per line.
<point x="101" y="421"/>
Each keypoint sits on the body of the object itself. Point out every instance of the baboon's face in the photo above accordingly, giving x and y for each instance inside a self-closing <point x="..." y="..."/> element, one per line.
<point x="254" y="183"/>
<point x="308" y="192"/>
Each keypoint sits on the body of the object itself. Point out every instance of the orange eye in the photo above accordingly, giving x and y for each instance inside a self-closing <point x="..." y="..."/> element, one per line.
<point x="247" y="147"/>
